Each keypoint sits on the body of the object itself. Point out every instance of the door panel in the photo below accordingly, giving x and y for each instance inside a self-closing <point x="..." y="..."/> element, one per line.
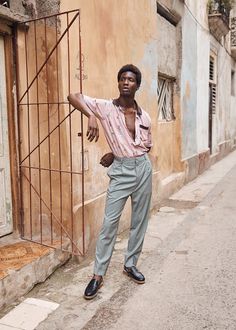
<point x="5" y="180"/>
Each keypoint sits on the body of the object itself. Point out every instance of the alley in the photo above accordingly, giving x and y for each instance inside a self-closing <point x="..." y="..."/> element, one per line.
<point x="176" y="110"/>
<point x="189" y="261"/>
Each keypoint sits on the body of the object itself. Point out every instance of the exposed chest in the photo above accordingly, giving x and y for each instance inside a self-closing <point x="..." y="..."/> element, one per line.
<point x="130" y="122"/>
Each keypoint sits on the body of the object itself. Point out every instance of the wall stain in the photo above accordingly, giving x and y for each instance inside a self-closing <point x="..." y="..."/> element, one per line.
<point x="187" y="90"/>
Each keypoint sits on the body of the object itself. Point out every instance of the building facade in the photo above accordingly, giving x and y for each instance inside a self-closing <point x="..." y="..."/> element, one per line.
<point x="52" y="187"/>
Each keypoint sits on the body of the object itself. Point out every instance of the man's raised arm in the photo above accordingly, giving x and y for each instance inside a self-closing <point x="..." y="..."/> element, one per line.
<point x="77" y="101"/>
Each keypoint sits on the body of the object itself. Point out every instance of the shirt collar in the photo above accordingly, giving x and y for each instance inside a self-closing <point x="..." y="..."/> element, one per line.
<point x="139" y="110"/>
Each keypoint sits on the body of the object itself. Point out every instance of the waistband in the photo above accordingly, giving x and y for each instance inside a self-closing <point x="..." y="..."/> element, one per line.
<point x="131" y="159"/>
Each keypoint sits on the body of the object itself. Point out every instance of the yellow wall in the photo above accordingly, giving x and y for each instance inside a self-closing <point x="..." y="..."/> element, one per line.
<point x="113" y="33"/>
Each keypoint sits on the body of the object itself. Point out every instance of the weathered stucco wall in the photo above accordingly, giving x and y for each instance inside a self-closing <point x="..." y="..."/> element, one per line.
<point x="222" y="118"/>
<point x="35" y="8"/>
<point x="233" y="104"/>
<point x="189" y="86"/>
<point x="224" y="93"/>
<point x="202" y="54"/>
<point x="167" y="47"/>
<point x="25" y="7"/>
<point x="114" y="33"/>
<point x="198" y="42"/>
<point x="168" y="133"/>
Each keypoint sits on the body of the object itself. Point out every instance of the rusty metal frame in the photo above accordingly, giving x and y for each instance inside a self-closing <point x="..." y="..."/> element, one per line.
<point x="27" y="176"/>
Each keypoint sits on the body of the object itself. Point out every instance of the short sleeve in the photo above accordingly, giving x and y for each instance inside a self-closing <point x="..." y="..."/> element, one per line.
<point x="99" y="107"/>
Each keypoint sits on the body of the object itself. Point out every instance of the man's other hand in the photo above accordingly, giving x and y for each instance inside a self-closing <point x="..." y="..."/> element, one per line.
<point x="107" y="159"/>
<point x="93" y="130"/>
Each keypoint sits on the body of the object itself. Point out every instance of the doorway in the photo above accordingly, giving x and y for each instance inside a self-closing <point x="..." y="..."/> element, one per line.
<point x="6" y="222"/>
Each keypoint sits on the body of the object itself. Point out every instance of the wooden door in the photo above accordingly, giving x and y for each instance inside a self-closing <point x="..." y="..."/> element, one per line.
<point x="6" y="224"/>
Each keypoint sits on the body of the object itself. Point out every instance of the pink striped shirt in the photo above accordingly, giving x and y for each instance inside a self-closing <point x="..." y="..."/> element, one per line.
<point x="118" y="136"/>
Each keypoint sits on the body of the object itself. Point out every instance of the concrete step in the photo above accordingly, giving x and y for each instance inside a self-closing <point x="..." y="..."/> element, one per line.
<point x="24" y="264"/>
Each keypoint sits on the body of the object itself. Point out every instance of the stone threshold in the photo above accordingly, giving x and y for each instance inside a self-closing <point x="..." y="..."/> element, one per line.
<point x="23" y="264"/>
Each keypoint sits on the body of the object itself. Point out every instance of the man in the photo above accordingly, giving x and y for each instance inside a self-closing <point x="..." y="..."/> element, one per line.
<point x="127" y="128"/>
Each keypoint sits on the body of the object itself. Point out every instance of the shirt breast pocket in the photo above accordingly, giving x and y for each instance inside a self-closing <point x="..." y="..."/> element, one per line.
<point x="144" y="131"/>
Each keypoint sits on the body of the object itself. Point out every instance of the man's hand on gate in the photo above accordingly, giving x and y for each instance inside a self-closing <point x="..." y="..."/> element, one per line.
<point x="107" y="159"/>
<point x="93" y="130"/>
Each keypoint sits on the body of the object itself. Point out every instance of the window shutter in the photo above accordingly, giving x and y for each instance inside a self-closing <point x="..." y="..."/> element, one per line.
<point x="212" y="83"/>
<point x="213" y="99"/>
<point x="212" y="70"/>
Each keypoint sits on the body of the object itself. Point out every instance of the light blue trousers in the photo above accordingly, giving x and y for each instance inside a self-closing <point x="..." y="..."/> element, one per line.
<point x="128" y="177"/>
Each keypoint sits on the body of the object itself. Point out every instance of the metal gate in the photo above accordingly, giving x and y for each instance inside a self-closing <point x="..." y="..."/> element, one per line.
<point x="51" y="151"/>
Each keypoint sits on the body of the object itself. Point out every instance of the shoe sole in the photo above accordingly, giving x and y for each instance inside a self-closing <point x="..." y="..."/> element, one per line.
<point x="91" y="297"/>
<point x="133" y="279"/>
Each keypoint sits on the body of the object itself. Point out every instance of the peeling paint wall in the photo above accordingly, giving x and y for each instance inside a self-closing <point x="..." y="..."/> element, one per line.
<point x="25" y="7"/>
<point x="35" y="8"/>
<point x="45" y="8"/>
<point x="169" y="64"/>
<point x="189" y="86"/>
<point x="114" y="33"/>
<point x="202" y="53"/>
<point x="167" y="47"/>
<point x="233" y="104"/>
<point x="198" y="42"/>
<point x="118" y="32"/>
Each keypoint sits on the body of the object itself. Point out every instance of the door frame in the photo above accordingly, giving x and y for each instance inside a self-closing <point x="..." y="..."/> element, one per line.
<point x="8" y="34"/>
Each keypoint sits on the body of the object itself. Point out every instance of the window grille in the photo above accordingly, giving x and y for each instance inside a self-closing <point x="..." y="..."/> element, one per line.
<point x="165" y="99"/>
<point x="212" y="84"/>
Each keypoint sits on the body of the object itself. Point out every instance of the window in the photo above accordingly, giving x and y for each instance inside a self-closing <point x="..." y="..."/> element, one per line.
<point x="212" y="97"/>
<point x="5" y="3"/>
<point x="212" y="84"/>
<point x="165" y="98"/>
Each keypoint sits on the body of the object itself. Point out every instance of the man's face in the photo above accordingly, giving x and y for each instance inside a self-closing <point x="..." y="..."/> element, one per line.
<point x="127" y="84"/>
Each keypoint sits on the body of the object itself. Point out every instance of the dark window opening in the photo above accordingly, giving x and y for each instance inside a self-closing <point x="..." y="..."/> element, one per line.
<point x="233" y="83"/>
<point x="5" y="3"/>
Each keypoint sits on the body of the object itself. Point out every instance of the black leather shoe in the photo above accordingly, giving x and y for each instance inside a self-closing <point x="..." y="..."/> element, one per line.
<point x="92" y="288"/>
<point x="134" y="274"/>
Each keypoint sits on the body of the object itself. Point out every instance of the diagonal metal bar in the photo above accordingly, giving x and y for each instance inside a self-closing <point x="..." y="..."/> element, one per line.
<point x="49" y="55"/>
<point x="55" y="217"/>
<point x="47" y="136"/>
<point x="162" y="94"/>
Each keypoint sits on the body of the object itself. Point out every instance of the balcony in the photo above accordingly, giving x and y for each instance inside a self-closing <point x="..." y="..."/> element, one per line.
<point x="233" y="37"/>
<point x="218" y="18"/>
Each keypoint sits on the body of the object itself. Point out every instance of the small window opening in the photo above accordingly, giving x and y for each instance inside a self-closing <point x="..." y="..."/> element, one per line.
<point x="233" y="83"/>
<point x="5" y="3"/>
<point x="212" y="84"/>
<point x="165" y="98"/>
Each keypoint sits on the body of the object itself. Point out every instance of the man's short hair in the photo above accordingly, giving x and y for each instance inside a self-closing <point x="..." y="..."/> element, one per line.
<point x="131" y="68"/>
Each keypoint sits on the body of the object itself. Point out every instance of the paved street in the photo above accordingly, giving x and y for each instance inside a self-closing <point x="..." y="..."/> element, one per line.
<point x="189" y="260"/>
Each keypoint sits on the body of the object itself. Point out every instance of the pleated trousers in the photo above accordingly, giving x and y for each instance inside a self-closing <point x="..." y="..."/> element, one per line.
<point x="129" y="177"/>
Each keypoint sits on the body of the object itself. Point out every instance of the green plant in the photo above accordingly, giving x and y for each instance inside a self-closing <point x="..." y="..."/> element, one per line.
<point x="214" y="5"/>
<point x="228" y="3"/>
